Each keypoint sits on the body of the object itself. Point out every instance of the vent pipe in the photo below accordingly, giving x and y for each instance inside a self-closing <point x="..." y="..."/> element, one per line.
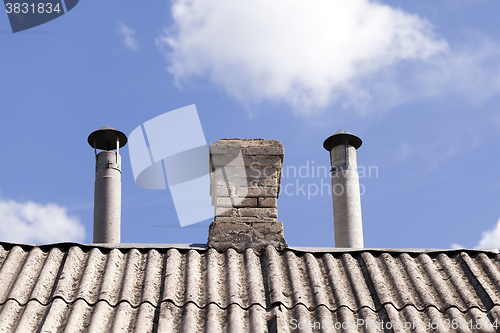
<point x="107" y="191"/>
<point x="345" y="189"/>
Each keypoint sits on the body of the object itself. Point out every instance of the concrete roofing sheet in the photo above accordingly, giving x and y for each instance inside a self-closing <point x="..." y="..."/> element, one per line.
<point x="87" y="288"/>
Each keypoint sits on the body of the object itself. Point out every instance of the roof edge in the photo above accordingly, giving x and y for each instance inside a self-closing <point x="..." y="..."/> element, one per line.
<point x="202" y="247"/>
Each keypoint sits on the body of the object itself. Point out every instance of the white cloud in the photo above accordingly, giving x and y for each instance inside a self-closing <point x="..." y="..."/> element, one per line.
<point x="307" y="54"/>
<point x="468" y="72"/>
<point x="35" y="223"/>
<point x="128" y="36"/>
<point x="490" y="239"/>
<point x="471" y="69"/>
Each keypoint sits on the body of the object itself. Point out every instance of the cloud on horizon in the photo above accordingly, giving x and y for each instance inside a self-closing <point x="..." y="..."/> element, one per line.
<point x="31" y="222"/>
<point x="490" y="239"/>
<point x="353" y="54"/>
<point x="128" y="36"/>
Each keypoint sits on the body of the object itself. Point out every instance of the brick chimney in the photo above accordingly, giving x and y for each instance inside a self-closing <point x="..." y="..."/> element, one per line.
<point x="245" y="181"/>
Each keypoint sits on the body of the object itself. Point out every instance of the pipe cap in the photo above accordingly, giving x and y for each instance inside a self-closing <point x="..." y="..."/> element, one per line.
<point x="105" y="138"/>
<point x="339" y="139"/>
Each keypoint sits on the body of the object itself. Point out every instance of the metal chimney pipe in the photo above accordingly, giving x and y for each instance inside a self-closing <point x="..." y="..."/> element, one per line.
<point x="345" y="189"/>
<point x="107" y="191"/>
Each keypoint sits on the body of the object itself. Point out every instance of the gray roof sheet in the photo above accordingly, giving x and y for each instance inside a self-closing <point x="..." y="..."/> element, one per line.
<point x="89" y="288"/>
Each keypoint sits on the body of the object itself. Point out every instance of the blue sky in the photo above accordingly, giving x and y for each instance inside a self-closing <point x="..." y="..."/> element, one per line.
<point x="418" y="81"/>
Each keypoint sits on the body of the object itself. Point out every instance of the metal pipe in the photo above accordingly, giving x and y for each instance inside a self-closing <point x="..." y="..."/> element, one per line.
<point x="107" y="198"/>
<point x="345" y="189"/>
<point x="107" y="187"/>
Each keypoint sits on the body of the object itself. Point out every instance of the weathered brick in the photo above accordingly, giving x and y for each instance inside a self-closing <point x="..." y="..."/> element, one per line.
<point x="262" y="172"/>
<point x="246" y="147"/>
<point x="267" y="202"/>
<point x="246" y="172"/>
<point x="221" y="191"/>
<point x="236" y="181"/>
<point x="258" y="212"/>
<point x="235" y="202"/>
<point x="265" y="160"/>
<point x="248" y="160"/>
<point x="278" y="151"/>
<point x="244" y="219"/>
<point x="267" y="182"/>
<point x="243" y="235"/>
<point x="255" y="192"/>
<point x="219" y="149"/>
<point x="232" y="172"/>
<point x="245" y="182"/>
<point x="242" y="192"/>
<point x="226" y="211"/>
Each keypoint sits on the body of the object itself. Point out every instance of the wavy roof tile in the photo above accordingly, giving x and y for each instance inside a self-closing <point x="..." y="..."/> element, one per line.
<point x="83" y="288"/>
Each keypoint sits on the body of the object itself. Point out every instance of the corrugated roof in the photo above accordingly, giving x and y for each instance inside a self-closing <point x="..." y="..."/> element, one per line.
<point x="81" y="288"/>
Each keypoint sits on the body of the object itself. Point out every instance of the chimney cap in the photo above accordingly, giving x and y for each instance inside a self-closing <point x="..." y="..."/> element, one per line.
<point x="339" y="139"/>
<point x="105" y="138"/>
